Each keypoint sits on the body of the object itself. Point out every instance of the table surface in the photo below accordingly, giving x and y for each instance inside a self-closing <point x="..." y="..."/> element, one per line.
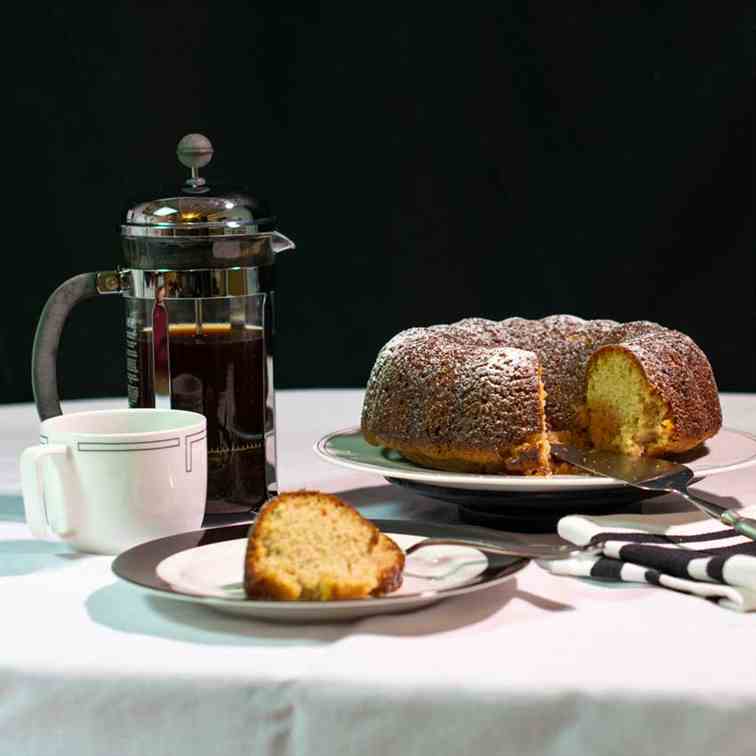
<point x="542" y="664"/>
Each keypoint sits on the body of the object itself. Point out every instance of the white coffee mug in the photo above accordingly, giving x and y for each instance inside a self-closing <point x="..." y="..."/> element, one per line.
<point x="104" y="481"/>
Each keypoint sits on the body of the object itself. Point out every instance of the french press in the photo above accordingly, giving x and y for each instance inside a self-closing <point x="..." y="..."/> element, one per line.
<point x="198" y="286"/>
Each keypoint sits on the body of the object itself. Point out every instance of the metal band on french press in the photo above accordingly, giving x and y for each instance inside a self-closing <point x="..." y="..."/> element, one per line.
<point x="198" y="284"/>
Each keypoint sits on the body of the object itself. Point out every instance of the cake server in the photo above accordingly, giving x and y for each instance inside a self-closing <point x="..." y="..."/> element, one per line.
<point x="651" y="474"/>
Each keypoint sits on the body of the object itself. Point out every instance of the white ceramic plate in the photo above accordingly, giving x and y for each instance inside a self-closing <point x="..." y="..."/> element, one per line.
<point x="206" y="567"/>
<point x="728" y="450"/>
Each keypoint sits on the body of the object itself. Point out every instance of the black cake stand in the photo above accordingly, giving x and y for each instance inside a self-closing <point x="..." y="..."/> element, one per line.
<point x="526" y="512"/>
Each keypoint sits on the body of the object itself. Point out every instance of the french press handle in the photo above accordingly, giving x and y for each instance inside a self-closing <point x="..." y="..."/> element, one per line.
<point x="44" y="367"/>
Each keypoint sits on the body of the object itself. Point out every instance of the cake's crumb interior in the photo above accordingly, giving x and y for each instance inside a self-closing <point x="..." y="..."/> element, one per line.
<point x="317" y="552"/>
<point x="625" y="414"/>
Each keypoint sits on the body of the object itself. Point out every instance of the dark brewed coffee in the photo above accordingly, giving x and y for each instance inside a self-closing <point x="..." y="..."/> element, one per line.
<point x="219" y="371"/>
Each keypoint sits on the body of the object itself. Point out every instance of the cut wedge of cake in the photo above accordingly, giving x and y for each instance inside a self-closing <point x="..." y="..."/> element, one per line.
<point x="311" y="546"/>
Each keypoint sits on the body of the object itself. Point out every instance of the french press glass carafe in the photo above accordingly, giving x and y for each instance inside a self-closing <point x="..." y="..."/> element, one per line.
<point x="198" y="286"/>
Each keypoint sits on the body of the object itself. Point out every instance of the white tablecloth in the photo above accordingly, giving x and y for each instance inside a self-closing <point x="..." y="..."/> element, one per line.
<point x="541" y="665"/>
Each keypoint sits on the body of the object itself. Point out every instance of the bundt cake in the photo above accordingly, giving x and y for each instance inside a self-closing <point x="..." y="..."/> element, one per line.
<point x="485" y="396"/>
<point x="311" y="546"/>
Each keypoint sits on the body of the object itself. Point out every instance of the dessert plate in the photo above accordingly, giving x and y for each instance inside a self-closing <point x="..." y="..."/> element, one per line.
<point x="727" y="451"/>
<point x="206" y="567"/>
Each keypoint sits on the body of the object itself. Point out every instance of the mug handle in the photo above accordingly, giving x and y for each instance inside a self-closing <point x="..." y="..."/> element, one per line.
<point x="33" y="487"/>
<point x="49" y="328"/>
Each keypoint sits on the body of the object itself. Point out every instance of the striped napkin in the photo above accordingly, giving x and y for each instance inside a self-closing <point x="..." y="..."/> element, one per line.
<point x="685" y="552"/>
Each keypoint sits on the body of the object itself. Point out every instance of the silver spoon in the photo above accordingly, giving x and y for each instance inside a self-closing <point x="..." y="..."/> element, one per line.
<point x="526" y="551"/>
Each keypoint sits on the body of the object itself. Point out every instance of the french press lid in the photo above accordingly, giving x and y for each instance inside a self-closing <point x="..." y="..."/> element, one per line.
<point x="199" y="224"/>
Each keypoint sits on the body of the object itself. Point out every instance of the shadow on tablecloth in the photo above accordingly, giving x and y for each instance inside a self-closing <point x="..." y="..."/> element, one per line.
<point x="389" y="501"/>
<point x="24" y="556"/>
<point x="12" y="509"/>
<point x="123" y="608"/>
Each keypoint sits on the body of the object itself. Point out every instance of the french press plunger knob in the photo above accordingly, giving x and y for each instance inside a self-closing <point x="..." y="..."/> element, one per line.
<point x="194" y="151"/>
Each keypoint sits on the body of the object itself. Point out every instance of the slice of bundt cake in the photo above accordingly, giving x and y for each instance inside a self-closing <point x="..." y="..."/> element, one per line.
<point x="650" y="395"/>
<point x="443" y="399"/>
<point x="311" y="546"/>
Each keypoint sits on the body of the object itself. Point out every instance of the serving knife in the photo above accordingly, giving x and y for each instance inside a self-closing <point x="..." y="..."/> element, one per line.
<point x="651" y="474"/>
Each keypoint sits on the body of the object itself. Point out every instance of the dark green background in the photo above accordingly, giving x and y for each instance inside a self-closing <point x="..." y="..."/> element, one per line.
<point x="431" y="162"/>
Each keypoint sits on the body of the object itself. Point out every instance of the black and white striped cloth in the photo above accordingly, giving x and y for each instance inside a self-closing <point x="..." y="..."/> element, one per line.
<point x="685" y="552"/>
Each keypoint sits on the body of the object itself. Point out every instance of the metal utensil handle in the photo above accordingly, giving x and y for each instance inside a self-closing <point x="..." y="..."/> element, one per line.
<point x="526" y="551"/>
<point x="44" y="368"/>
<point x="743" y="525"/>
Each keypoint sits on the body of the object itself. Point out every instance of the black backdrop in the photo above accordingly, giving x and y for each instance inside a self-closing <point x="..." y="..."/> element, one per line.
<point x="429" y="165"/>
